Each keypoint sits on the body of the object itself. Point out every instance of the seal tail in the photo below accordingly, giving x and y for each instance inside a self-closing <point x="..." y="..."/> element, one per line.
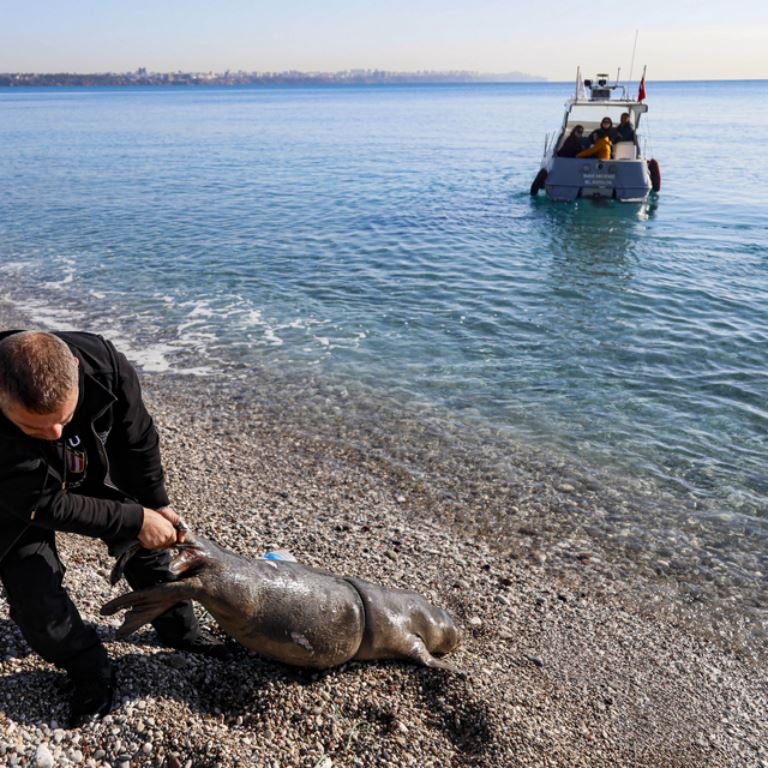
<point x="147" y="604"/>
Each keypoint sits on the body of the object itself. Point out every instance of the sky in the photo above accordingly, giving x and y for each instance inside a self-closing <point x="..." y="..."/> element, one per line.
<point x="677" y="39"/>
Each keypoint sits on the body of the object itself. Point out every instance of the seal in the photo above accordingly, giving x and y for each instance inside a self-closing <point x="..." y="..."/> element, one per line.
<point x="293" y="613"/>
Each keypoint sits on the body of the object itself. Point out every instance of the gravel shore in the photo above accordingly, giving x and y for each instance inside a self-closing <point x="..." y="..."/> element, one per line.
<point x="566" y="659"/>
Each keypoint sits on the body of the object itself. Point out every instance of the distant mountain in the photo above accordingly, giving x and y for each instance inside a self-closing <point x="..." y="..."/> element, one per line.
<point x="346" y="77"/>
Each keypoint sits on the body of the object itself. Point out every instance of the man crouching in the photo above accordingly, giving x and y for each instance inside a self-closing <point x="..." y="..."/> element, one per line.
<point x="79" y="453"/>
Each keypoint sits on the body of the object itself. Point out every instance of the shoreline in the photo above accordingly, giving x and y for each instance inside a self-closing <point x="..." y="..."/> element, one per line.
<point x="570" y="659"/>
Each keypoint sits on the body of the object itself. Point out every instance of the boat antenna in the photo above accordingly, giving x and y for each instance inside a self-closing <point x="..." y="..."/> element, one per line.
<point x="618" y="76"/>
<point x="634" y="48"/>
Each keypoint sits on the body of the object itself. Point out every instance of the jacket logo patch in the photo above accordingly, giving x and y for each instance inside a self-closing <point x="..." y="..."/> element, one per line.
<point x="76" y="461"/>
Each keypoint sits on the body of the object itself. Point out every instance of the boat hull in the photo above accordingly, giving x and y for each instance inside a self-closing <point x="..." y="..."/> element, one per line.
<point x="570" y="178"/>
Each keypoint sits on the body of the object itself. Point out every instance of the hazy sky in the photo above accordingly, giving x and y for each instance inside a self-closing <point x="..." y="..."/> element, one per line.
<point x="684" y="39"/>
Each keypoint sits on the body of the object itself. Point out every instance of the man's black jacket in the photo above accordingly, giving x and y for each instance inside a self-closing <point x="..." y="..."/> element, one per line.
<point x="119" y="439"/>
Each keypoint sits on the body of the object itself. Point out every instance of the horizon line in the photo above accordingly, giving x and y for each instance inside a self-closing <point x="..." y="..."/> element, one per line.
<point x="510" y="75"/>
<point x="484" y="76"/>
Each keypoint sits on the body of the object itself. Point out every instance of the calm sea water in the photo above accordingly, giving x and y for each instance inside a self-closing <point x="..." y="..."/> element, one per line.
<point x="384" y="239"/>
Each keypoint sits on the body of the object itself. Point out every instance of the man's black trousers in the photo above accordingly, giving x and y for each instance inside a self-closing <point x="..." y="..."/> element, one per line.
<point x="32" y="575"/>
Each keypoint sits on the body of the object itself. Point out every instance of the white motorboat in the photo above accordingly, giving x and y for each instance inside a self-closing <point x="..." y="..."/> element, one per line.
<point x="608" y="162"/>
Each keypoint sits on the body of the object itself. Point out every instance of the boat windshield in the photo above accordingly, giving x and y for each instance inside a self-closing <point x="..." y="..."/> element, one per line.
<point x="590" y="115"/>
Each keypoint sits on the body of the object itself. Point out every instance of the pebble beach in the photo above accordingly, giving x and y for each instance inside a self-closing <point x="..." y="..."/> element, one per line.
<point x="572" y="654"/>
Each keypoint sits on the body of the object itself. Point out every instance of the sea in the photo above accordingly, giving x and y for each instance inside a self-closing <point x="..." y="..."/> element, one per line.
<point x="374" y="253"/>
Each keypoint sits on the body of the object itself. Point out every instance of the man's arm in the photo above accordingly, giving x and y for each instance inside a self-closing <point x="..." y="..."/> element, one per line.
<point x="29" y="495"/>
<point x="32" y="494"/>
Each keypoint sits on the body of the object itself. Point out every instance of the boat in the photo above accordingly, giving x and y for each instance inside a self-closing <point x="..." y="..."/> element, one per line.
<point x="619" y="169"/>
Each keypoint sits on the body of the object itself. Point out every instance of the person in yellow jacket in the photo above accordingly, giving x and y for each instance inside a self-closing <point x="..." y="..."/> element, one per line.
<point x="602" y="141"/>
<point x="601" y="149"/>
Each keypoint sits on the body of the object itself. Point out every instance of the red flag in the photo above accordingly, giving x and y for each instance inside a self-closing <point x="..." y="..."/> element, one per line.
<point x="641" y="90"/>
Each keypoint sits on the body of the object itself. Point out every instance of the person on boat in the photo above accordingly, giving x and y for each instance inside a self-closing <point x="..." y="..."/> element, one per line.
<point x="602" y="141"/>
<point x="601" y="149"/>
<point x="606" y="130"/>
<point x="624" y="130"/>
<point x="80" y="453"/>
<point x="574" y="143"/>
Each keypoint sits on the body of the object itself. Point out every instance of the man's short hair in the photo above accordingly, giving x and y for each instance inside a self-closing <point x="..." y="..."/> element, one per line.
<point x="37" y="371"/>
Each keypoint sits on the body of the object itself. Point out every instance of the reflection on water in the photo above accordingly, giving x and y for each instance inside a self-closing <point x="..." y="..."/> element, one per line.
<point x="594" y="226"/>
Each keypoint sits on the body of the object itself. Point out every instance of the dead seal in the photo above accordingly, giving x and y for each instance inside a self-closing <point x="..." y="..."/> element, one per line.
<point x="293" y="613"/>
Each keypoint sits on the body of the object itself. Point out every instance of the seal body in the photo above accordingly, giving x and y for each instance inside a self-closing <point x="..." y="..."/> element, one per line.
<point x="294" y="613"/>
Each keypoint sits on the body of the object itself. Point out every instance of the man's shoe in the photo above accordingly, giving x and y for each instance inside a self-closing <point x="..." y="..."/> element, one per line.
<point x="205" y="644"/>
<point x="91" y="698"/>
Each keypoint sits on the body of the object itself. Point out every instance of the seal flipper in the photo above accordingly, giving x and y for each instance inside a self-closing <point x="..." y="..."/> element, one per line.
<point x="147" y="604"/>
<point x="124" y="551"/>
<point x="419" y="653"/>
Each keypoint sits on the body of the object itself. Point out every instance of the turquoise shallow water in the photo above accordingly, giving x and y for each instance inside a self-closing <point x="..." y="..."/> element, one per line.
<point x="384" y="239"/>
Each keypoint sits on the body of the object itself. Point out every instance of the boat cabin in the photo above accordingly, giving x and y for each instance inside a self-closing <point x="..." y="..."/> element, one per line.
<point x="603" y="100"/>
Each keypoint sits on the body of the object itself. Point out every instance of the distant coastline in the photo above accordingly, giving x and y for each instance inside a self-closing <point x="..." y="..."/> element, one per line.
<point x="141" y="77"/>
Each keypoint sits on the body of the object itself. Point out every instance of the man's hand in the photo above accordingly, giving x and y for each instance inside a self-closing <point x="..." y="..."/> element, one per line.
<point x="170" y="514"/>
<point x="158" y="532"/>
